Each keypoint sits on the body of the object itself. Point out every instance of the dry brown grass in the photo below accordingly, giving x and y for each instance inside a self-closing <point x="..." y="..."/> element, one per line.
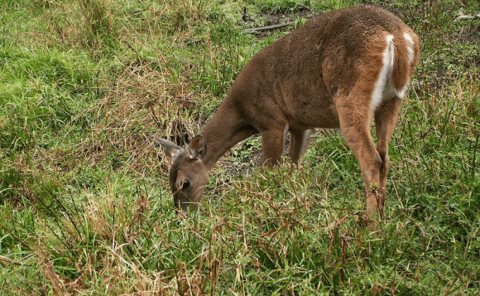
<point x="142" y="104"/>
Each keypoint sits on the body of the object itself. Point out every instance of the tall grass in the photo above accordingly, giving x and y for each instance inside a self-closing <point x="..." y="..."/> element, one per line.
<point x="97" y="20"/>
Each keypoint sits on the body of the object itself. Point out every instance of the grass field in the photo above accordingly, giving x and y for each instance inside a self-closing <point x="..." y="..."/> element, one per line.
<point x="85" y="207"/>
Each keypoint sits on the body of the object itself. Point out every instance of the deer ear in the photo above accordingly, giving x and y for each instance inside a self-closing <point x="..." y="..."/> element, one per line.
<point x="171" y="149"/>
<point x="197" y="148"/>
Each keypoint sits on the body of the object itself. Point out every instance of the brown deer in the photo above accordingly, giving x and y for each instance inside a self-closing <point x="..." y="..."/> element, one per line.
<point x="338" y="70"/>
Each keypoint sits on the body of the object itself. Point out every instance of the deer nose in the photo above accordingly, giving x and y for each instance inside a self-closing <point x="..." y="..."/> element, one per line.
<point x="180" y="202"/>
<point x="186" y="184"/>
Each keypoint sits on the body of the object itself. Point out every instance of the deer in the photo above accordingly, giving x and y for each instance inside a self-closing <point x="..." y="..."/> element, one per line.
<point x="342" y="69"/>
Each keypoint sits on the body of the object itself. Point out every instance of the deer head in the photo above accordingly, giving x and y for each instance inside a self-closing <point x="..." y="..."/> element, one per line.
<point x="188" y="174"/>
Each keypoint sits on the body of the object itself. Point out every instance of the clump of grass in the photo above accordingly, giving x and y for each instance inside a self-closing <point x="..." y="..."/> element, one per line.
<point x="142" y="105"/>
<point x="184" y="14"/>
<point x="98" y="21"/>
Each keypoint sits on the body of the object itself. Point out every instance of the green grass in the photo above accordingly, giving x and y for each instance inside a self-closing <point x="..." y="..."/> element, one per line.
<point x="85" y="207"/>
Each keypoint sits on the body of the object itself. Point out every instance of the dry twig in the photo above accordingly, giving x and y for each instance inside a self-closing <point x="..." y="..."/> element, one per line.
<point x="462" y="16"/>
<point x="266" y="28"/>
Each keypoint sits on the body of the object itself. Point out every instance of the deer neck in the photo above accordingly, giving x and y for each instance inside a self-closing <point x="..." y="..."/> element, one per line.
<point x="226" y="128"/>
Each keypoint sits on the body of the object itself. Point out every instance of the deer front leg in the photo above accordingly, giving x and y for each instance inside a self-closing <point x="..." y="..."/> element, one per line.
<point x="354" y="122"/>
<point x="273" y="141"/>
<point x="298" y="144"/>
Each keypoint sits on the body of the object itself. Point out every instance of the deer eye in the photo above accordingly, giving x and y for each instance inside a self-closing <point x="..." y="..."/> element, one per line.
<point x="186" y="184"/>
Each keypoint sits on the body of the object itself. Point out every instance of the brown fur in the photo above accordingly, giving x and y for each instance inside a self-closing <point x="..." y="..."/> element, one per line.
<point x="321" y="75"/>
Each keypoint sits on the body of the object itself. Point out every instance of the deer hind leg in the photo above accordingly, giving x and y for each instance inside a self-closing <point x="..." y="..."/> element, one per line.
<point x="385" y="120"/>
<point x="354" y="117"/>
<point x="298" y="144"/>
<point x="273" y="141"/>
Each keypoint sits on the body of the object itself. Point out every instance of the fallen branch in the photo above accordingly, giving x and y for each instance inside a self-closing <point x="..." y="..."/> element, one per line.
<point x="463" y="16"/>
<point x="267" y="28"/>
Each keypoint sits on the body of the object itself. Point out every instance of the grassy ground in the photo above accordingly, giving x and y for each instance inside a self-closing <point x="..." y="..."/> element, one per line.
<point x="84" y="202"/>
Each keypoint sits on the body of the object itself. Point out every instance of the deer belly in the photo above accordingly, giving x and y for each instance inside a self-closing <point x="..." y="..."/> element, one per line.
<point x="314" y="113"/>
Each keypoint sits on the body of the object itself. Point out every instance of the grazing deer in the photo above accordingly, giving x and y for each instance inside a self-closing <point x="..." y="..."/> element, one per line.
<point x="338" y="70"/>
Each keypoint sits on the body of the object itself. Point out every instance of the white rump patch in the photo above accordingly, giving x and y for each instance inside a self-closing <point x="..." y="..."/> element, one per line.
<point x="385" y="73"/>
<point x="410" y="51"/>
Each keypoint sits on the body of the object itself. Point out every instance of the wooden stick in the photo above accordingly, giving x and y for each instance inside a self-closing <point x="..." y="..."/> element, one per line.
<point x="467" y="16"/>
<point x="266" y="28"/>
